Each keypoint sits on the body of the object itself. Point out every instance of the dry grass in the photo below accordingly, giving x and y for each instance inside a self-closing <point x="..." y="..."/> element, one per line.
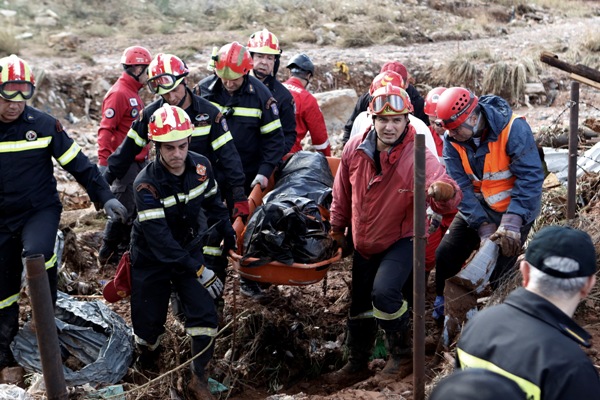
<point x="461" y="72"/>
<point x="8" y="44"/>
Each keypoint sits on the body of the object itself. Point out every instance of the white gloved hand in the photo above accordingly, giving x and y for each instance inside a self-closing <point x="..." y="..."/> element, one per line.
<point x="210" y="281"/>
<point x="115" y="210"/>
<point x="261" y="180"/>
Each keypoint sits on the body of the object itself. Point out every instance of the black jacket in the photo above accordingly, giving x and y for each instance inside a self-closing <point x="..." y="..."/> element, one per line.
<point x="287" y="110"/>
<point x="535" y="344"/>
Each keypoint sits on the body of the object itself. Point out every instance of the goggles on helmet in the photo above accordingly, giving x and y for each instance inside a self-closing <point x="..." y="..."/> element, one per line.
<point x="163" y="81"/>
<point x="394" y="101"/>
<point x="11" y="89"/>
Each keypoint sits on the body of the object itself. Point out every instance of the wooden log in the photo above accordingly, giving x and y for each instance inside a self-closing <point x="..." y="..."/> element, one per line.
<point x="578" y="71"/>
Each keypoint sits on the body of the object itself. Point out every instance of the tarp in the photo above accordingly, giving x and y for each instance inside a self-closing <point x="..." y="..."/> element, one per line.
<point x="97" y="337"/>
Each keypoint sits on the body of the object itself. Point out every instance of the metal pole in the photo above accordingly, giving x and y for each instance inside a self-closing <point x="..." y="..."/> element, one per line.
<point x="573" y="142"/>
<point x="45" y="328"/>
<point x="419" y="216"/>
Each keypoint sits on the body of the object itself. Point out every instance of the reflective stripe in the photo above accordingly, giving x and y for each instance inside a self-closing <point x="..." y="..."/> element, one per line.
<point x="24" y="145"/>
<point x="201" y="131"/>
<point x="270" y="127"/>
<point x="151" y="346"/>
<point x="247" y="112"/>
<point x="220" y="107"/>
<point x="321" y="146"/>
<point x="153" y="213"/>
<point x="199" y="331"/>
<point x="69" y="155"/>
<point x="137" y="138"/>
<point x="221" y="140"/>
<point x="9" y="301"/>
<point x="364" y="315"/>
<point x="212" y="192"/>
<point x="212" y="251"/>
<point x="491" y="200"/>
<point x="185" y="198"/>
<point x="388" y="317"/>
<point x="496" y="176"/>
<point x="469" y="361"/>
<point x="51" y="262"/>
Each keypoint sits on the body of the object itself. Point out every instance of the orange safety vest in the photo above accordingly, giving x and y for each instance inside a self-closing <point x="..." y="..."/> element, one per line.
<point x="496" y="185"/>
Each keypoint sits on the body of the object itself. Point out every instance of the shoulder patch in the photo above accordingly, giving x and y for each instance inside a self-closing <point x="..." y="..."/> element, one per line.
<point x="109" y="113"/>
<point x="141" y="116"/>
<point x="153" y="192"/>
<point x="134" y="112"/>
<point x="30" y="136"/>
<point x="59" y="127"/>
<point x="224" y="125"/>
<point x="272" y="104"/>
<point x="202" y="119"/>
<point x="133" y="102"/>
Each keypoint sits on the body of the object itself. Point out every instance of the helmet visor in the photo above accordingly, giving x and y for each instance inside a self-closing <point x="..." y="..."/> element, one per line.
<point x="11" y="89"/>
<point x="164" y="81"/>
<point x="394" y="101"/>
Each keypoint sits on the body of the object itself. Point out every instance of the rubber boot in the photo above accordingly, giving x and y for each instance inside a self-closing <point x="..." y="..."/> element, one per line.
<point x="360" y="340"/>
<point x="147" y="359"/>
<point x="198" y="388"/>
<point x="398" y="344"/>
<point x="198" y="385"/>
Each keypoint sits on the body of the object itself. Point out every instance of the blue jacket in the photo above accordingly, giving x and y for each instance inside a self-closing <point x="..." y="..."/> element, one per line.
<point x="525" y="165"/>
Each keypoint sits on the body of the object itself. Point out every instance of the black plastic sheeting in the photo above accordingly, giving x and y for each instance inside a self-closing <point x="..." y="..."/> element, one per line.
<point x="305" y="174"/>
<point x="90" y="332"/>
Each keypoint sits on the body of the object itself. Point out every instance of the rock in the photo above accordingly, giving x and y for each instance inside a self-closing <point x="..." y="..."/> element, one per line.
<point x="336" y="105"/>
<point x="64" y="40"/>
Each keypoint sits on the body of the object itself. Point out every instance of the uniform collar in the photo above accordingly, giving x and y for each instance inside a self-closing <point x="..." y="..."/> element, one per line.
<point x="543" y="310"/>
<point x="131" y="82"/>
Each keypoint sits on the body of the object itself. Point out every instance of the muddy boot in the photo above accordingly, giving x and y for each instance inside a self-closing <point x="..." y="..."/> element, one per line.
<point x="198" y="388"/>
<point x="360" y="340"/>
<point x="399" y="364"/>
<point x="147" y="359"/>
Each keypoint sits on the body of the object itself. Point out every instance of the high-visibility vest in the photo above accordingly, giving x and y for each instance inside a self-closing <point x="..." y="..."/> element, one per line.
<point x="497" y="182"/>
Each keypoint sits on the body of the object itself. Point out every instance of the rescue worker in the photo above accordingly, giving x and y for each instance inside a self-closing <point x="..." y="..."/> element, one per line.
<point x="170" y="194"/>
<point x="30" y="207"/>
<point x="309" y="118"/>
<point x="363" y="101"/>
<point x="121" y="106"/>
<point x="531" y="338"/>
<point x="253" y="117"/>
<point x="266" y="56"/>
<point x="373" y="193"/>
<point x="491" y="153"/>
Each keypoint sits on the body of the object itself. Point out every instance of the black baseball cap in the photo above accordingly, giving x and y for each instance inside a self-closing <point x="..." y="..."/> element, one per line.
<point x="477" y="384"/>
<point x="566" y="242"/>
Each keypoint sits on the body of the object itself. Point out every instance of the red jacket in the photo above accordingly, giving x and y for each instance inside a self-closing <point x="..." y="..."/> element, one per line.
<point x="121" y="106"/>
<point x="379" y="207"/>
<point x="309" y="118"/>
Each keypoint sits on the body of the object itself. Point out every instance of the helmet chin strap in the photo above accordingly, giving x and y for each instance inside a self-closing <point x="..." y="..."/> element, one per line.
<point x="474" y="128"/>
<point x="180" y="104"/>
<point x="129" y="70"/>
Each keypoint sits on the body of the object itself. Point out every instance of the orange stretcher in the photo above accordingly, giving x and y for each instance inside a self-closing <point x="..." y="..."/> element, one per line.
<point x="275" y="272"/>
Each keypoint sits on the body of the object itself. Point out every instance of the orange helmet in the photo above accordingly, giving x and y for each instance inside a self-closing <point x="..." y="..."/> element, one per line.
<point x="233" y="61"/>
<point x="165" y="73"/>
<point x="390" y="100"/>
<point x="454" y="106"/>
<point x="169" y="124"/>
<point x="136" y="55"/>
<point x="431" y="101"/>
<point x="16" y="79"/>
<point x="386" y="78"/>
<point x="264" y="42"/>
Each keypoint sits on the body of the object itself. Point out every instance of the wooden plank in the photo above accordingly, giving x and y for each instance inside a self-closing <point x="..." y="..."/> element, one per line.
<point x="576" y="69"/>
<point x="587" y="81"/>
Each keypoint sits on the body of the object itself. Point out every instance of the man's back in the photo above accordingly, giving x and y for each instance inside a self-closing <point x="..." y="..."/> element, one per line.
<point x="534" y="343"/>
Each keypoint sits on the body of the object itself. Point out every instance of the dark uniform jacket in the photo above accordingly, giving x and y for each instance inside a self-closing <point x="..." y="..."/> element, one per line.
<point x="287" y="110"/>
<point x="27" y="181"/>
<point x="170" y="211"/>
<point x="532" y="342"/>
<point x="211" y="137"/>
<point x="253" y="118"/>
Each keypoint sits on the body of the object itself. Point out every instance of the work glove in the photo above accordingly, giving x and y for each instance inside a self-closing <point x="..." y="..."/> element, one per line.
<point x="485" y="230"/>
<point x="210" y="281"/>
<point x="434" y="219"/>
<point x="338" y="236"/>
<point x="261" y="180"/>
<point x="115" y="210"/>
<point x="438" y="307"/>
<point x="102" y="169"/>
<point x="241" y="209"/>
<point x="441" y="191"/>
<point x="508" y="235"/>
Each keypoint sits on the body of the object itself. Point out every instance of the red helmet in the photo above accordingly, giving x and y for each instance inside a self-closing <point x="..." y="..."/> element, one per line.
<point x="390" y="100"/>
<point x="264" y="42"/>
<point x="136" y="55"/>
<point x="454" y="106"/>
<point x="16" y="79"/>
<point x="431" y="101"/>
<point x="397" y="67"/>
<point x="386" y="78"/>
<point x="165" y="73"/>
<point x="169" y="124"/>
<point x="233" y="61"/>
